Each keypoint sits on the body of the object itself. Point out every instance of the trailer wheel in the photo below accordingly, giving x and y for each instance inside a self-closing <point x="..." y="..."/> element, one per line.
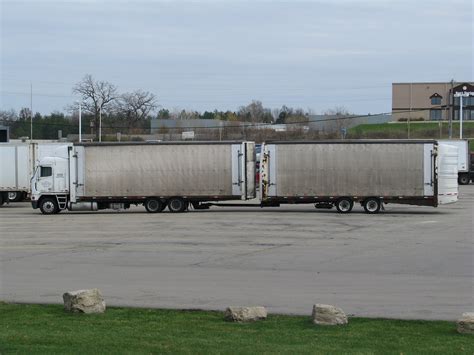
<point x="154" y="205"/>
<point x="2" y="199"/>
<point x="372" y="205"/>
<point x="48" y="205"/>
<point x="344" y="205"/>
<point x="463" y="179"/>
<point x="176" y="205"/>
<point x="15" y="196"/>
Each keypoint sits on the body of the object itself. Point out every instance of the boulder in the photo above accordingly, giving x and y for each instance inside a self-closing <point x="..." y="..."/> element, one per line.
<point x="84" y="301"/>
<point x="245" y="314"/>
<point x="466" y="323"/>
<point x="325" y="314"/>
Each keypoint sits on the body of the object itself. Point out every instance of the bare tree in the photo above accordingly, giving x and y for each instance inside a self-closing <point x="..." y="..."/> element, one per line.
<point x="96" y="96"/>
<point x="342" y="119"/>
<point x="136" y="106"/>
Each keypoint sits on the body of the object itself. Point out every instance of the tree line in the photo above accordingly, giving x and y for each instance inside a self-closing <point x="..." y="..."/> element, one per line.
<point x="131" y="112"/>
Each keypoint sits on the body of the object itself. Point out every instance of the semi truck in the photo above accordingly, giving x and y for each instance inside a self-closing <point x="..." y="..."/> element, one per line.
<point x="204" y="174"/>
<point x="465" y="169"/>
<point x="17" y="164"/>
<point x="156" y="175"/>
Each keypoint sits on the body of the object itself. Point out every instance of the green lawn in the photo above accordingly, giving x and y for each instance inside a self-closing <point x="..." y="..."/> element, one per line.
<point x="424" y="130"/>
<point x="48" y="329"/>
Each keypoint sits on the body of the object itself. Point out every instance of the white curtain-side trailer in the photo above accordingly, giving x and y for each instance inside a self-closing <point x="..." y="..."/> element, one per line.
<point x="341" y="173"/>
<point x="156" y="175"/>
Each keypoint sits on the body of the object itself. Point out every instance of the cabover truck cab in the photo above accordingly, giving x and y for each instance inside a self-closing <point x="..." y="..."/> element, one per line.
<point x="175" y="175"/>
<point x="341" y="173"/>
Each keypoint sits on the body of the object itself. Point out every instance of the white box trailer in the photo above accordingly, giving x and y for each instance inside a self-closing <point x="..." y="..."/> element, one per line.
<point x="465" y="174"/>
<point x="17" y="164"/>
<point x="157" y="175"/>
<point x="341" y="173"/>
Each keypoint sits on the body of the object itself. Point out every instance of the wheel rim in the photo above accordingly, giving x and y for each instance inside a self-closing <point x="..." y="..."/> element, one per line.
<point x="12" y="195"/>
<point x="48" y="207"/>
<point x="153" y="205"/>
<point x="176" y="205"/>
<point x="345" y="205"/>
<point x="372" y="205"/>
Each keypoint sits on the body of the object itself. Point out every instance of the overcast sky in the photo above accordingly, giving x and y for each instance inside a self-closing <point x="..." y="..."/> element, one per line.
<point x="205" y="55"/>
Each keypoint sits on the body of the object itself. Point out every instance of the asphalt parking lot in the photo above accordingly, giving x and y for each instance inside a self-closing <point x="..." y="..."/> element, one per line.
<point x="407" y="262"/>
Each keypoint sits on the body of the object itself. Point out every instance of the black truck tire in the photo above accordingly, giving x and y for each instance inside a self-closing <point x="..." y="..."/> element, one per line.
<point x="177" y="205"/>
<point x="463" y="179"/>
<point x="344" y="205"/>
<point x="372" y="205"/>
<point x="154" y="205"/>
<point x="49" y="205"/>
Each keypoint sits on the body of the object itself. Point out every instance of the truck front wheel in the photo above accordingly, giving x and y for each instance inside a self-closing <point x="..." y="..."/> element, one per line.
<point x="176" y="205"/>
<point x="49" y="205"/>
<point x="372" y="205"/>
<point x="154" y="205"/>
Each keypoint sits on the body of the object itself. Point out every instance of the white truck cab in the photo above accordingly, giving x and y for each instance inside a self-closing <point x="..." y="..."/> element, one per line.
<point x="50" y="182"/>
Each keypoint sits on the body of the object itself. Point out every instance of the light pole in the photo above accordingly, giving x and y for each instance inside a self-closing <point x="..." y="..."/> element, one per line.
<point x="462" y="94"/>
<point x="100" y="124"/>
<point x="80" y="121"/>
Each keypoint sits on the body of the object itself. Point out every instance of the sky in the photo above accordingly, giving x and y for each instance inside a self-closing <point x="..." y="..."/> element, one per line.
<point x="206" y="55"/>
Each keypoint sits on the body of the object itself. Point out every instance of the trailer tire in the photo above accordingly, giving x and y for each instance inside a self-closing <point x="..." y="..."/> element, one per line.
<point x="154" y="205"/>
<point x="176" y="205"/>
<point x="15" y="196"/>
<point x="463" y="179"/>
<point x="2" y="198"/>
<point x="49" y="205"/>
<point x="372" y="205"/>
<point x="344" y="205"/>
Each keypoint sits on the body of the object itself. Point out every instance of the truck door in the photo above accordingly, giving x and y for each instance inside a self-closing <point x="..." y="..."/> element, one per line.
<point x="44" y="180"/>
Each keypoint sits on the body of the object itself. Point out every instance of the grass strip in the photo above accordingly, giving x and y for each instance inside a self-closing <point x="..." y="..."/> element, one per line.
<point x="47" y="329"/>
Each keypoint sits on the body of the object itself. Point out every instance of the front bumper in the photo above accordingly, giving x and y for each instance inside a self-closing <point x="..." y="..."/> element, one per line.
<point x="34" y="204"/>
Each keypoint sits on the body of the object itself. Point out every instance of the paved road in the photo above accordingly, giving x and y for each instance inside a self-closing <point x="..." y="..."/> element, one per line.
<point x="408" y="262"/>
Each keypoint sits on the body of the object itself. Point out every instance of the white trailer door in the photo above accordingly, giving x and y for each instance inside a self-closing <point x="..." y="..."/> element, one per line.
<point x="428" y="170"/>
<point x="268" y="171"/>
<point x="447" y="166"/>
<point x="239" y="170"/>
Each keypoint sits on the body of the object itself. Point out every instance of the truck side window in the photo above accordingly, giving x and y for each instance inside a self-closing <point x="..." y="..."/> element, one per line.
<point x="46" y="171"/>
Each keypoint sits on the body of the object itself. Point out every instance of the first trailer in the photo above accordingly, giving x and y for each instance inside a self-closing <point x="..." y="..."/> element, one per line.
<point x="157" y="175"/>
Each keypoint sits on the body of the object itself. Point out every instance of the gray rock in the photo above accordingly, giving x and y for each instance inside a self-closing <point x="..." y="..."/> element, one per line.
<point x="325" y="314"/>
<point x="84" y="301"/>
<point x="245" y="314"/>
<point x="466" y="323"/>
